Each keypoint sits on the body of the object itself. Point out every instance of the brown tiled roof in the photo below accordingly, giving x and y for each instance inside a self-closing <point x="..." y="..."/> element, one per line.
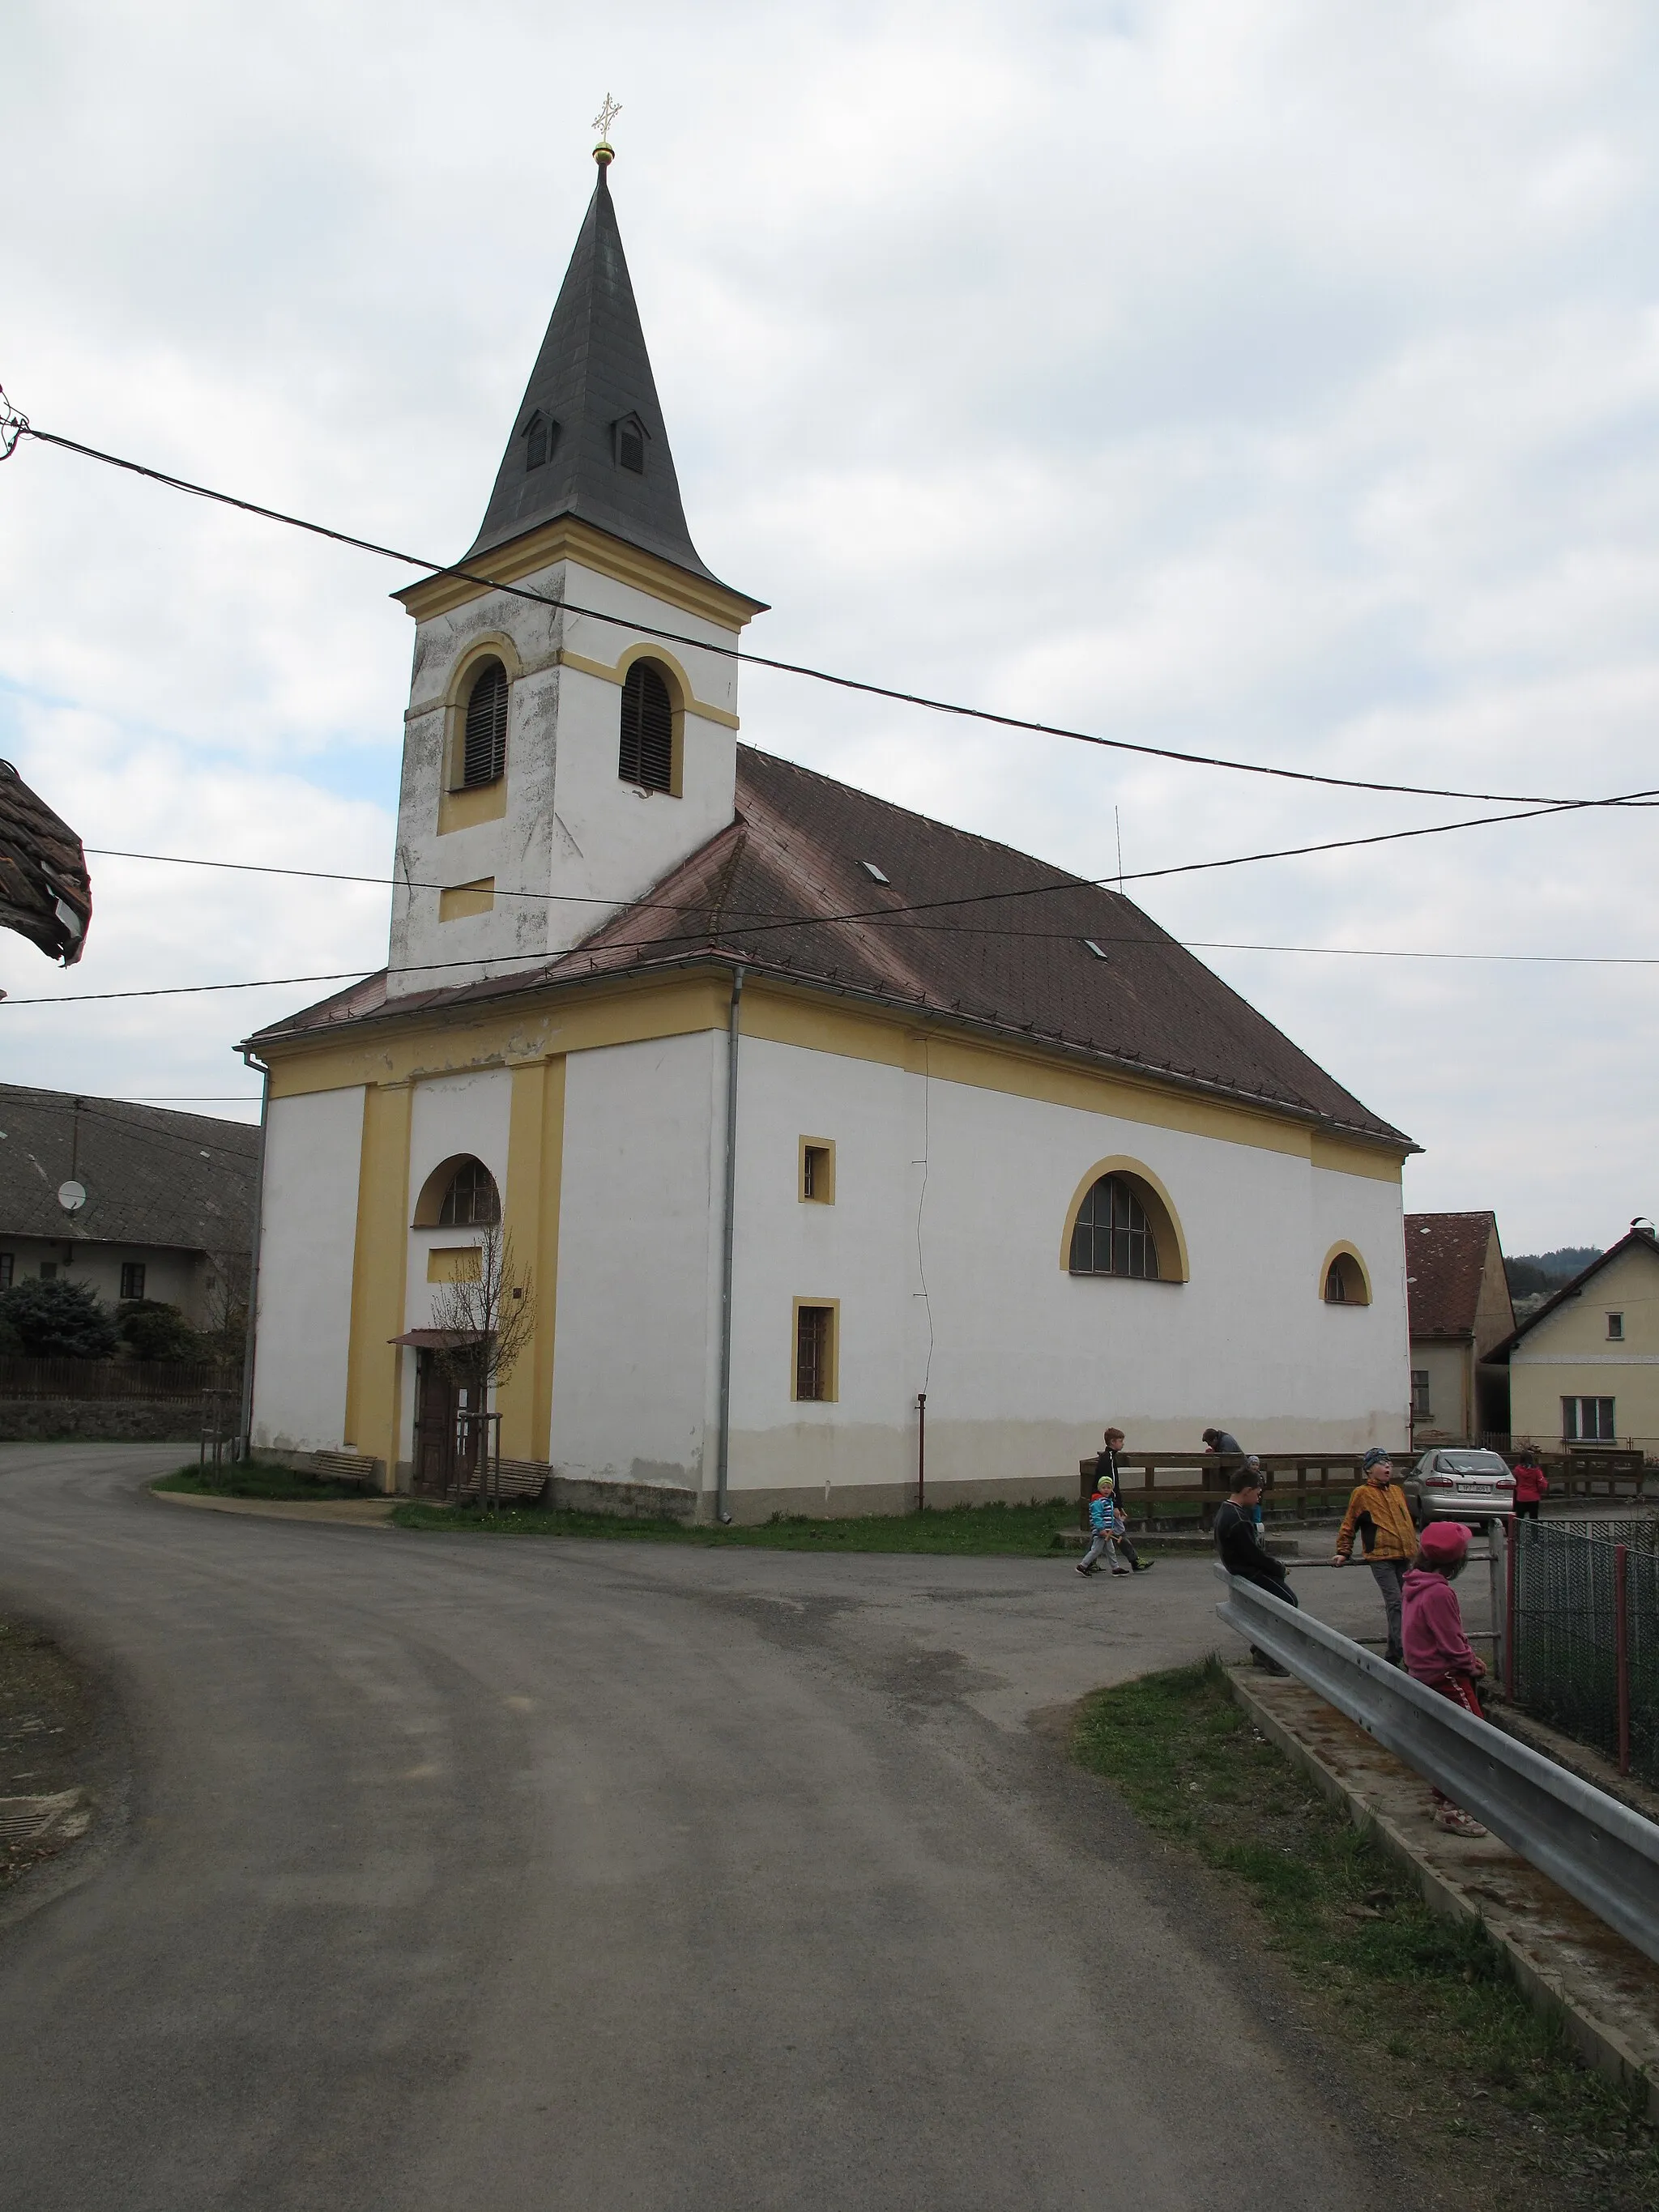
<point x="151" y="1176"/>
<point x="961" y="928"/>
<point x="1445" y="1259"/>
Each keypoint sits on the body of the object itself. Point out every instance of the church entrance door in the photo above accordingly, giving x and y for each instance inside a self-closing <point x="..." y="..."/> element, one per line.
<point x="435" y="1407"/>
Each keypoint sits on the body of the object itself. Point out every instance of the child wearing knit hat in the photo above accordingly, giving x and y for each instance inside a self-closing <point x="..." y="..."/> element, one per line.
<point x="1437" y="1652"/>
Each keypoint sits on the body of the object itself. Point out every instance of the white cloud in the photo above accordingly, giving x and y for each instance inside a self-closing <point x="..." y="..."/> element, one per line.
<point x="1248" y="375"/>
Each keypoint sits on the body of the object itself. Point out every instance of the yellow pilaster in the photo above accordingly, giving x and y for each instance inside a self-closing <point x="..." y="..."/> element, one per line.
<point x="377" y="1275"/>
<point x="535" y="1160"/>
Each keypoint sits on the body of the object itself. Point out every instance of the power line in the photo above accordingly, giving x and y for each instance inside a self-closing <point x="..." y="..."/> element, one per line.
<point x="21" y="427"/>
<point x="927" y="906"/>
<point x="1061" y="936"/>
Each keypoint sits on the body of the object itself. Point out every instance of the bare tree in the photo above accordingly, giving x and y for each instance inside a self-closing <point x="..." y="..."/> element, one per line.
<point x="225" y="1307"/>
<point x="489" y="1319"/>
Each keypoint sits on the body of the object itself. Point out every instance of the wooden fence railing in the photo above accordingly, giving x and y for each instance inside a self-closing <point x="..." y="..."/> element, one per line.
<point x="1296" y="1481"/>
<point x="158" y="1379"/>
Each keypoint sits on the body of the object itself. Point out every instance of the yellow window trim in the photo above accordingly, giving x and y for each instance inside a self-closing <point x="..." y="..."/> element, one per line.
<point x="461" y="900"/>
<point x="832" y="1395"/>
<point x="823" y="1192"/>
<point x="1173" y="1265"/>
<point x="688" y="701"/>
<point x="454" y="1263"/>
<point x="1344" y="1251"/>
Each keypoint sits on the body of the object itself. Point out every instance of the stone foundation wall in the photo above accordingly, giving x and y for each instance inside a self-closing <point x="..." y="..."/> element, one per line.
<point x="98" y="1420"/>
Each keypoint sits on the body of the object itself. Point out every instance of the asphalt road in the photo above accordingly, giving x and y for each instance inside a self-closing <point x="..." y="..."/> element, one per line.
<point x="461" y="1873"/>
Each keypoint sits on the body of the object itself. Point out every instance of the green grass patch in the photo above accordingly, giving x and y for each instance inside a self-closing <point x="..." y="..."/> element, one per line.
<point x="254" y="1478"/>
<point x="1463" y="2055"/>
<point x="961" y="1530"/>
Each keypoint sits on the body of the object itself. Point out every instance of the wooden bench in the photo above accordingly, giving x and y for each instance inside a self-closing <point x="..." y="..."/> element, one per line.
<point x="521" y="1480"/>
<point x="346" y="1467"/>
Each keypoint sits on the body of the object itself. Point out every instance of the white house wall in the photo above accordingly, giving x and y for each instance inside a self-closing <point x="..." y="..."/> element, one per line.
<point x="638" y="1232"/>
<point x="1027" y="1363"/>
<point x="313" y="1150"/>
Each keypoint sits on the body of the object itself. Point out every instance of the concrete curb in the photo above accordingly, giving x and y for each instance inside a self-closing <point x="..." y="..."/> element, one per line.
<point x="348" y="1512"/>
<point x="1569" y="1965"/>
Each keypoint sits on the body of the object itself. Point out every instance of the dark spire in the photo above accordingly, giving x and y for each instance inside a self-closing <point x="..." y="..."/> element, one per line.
<point x="593" y="379"/>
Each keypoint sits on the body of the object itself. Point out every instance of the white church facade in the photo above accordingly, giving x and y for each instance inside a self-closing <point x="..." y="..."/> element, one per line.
<point x="795" y="1105"/>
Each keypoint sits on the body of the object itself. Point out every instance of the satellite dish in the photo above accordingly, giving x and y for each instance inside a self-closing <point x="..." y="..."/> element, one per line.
<point x="71" y="1196"/>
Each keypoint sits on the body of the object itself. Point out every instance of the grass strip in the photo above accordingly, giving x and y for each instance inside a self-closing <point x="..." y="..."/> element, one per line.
<point x="254" y="1478"/>
<point x="1033" y="1530"/>
<point x="1461" y="2057"/>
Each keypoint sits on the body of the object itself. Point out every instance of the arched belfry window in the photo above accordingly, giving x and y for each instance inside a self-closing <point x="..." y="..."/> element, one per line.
<point x="644" y="757"/>
<point x="1112" y="1235"/>
<point x="630" y="435"/>
<point x="484" y="750"/>
<point x="471" y="1200"/>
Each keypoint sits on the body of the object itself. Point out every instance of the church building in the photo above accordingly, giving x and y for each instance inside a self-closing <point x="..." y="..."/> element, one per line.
<point x="796" y="1107"/>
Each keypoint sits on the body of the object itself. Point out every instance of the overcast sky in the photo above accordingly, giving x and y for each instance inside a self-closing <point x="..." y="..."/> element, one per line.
<point x="1277" y="380"/>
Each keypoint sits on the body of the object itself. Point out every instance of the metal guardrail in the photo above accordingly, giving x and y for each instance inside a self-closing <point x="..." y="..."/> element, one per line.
<point x="1597" y="1849"/>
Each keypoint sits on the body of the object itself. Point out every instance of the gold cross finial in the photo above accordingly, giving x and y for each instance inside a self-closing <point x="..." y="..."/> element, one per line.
<point x="606" y="116"/>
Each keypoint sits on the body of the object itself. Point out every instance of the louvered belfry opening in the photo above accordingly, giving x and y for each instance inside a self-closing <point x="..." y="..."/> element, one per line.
<point x="646" y="756"/>
<point x="1113" y="1236"/>
<point x="484" y="752"/>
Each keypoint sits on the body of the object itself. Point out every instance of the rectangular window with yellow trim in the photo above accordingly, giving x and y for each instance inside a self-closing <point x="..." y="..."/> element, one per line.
<point x="817" y="1350"/>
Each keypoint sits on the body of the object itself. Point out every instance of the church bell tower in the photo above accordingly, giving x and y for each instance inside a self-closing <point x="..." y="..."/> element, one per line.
<point x="560" y="754"/>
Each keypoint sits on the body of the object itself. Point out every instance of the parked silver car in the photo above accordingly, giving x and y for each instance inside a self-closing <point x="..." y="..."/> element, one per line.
<point x="1453" y="1485"/>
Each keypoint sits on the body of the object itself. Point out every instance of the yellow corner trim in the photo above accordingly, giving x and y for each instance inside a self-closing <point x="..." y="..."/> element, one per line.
<point x="465" y="810"/>
<point x="1167" y="1232"/>
<point x="652" y="651"/>
<point x="1345" y="1251"/>
<point x="628" y="1013"/>
<point x="454" y="1263"/>
<point x="463" y="899"/>
<point x="569" y="539"/>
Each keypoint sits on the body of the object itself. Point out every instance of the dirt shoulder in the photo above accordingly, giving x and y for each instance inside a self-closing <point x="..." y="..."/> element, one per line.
<point x="52" y="1747"/>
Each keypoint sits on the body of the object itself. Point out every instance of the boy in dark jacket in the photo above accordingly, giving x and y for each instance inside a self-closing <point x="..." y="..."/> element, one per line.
<point x="1242" y="1554"/>
<point x="1106" y="1469"/>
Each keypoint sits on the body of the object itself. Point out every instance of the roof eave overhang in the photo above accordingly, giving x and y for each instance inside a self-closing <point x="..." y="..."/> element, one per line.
<point x="1395" y="1144"/>
<point x="568" y="538"/>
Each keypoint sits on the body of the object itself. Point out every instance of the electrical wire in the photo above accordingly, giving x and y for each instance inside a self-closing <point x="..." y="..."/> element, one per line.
<point x="657" y="943"/>
<point x="23" y="428"/>
<point x="929" y="906"/>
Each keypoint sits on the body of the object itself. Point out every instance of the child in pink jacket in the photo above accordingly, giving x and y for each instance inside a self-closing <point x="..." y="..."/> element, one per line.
<point x="1437" y="1652"/>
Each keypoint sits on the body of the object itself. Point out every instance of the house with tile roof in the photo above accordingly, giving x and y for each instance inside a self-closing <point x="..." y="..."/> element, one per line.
<point x="138" y="1201"/>
<point x="797" y="1108"/>
<point x="1584" y="1368"/>
<point x="1458" y="1299"/>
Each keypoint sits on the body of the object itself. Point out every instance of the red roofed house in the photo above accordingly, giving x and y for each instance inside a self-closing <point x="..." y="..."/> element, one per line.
<point x="1458" y="1297"/>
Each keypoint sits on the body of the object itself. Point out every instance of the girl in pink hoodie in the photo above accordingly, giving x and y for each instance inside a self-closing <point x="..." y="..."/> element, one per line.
<point x="1437" y="1652"/>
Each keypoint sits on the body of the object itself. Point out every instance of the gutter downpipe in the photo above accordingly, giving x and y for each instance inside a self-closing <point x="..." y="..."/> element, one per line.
<point x="246" y="1425"/>
<point x="723" y="1457"/>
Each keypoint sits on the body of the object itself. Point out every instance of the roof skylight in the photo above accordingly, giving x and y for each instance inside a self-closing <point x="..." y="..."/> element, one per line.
<point x="1094" y="948"/>
<point x="875" y="874"/>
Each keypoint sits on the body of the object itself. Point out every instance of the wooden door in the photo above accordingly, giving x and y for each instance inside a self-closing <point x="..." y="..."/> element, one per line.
<point x="434" y="1427"/>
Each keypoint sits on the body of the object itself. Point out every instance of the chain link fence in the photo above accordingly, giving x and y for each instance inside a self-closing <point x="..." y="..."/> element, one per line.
<point x="1583" y="1633"/>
